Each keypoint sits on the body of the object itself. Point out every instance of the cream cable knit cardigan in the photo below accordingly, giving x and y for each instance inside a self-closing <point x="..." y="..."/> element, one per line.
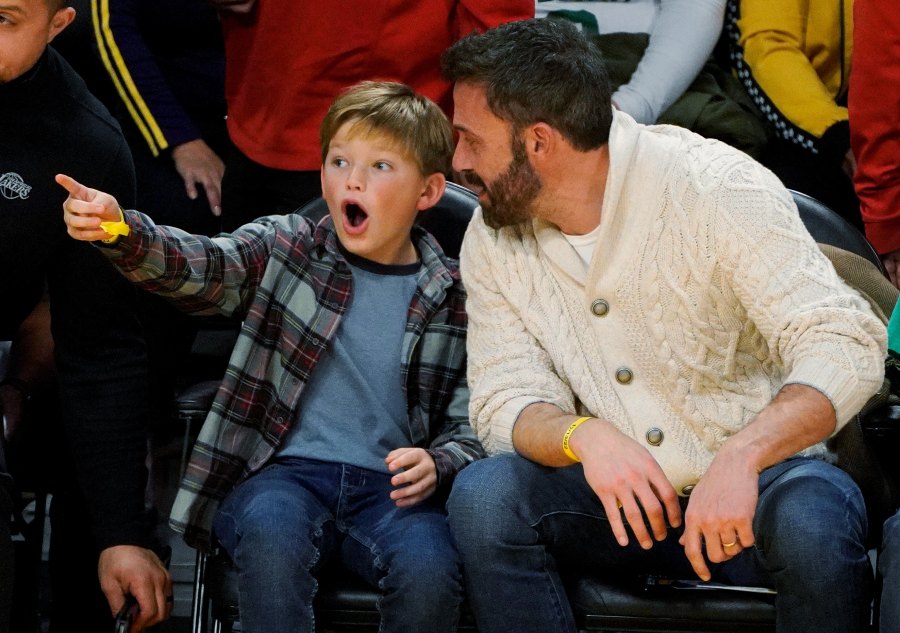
<point x="717" y="298"/>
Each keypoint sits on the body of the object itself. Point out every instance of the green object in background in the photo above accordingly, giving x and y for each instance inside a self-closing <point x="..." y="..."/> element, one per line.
<point x="893" y="330"/>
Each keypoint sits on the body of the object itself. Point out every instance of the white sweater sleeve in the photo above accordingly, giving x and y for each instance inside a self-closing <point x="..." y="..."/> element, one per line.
<point x="683" y="36"/>
<point x="821" y="331"/>
<point x="507" y="367"/>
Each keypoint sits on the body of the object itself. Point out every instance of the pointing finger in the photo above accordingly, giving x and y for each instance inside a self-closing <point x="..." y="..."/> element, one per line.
<point x="75" y="188"/>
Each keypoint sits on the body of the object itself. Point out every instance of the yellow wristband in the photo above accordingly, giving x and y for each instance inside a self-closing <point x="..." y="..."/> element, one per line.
<point x="115" y="229"/>
<point x="566" y="448"/>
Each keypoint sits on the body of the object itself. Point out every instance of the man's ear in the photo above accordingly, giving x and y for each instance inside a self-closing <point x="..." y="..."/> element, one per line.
<point x="60" y="20"/>
<point x="539" y="139"/>
<point x="434" y="189"/>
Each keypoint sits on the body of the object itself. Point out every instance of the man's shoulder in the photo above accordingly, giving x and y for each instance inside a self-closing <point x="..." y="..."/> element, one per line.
<point x="89" y="119"/>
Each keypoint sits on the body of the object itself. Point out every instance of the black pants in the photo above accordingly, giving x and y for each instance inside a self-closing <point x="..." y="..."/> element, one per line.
<point x="251" y="190"/>
<point x="6" y="550"/>
<point x="41" y="461"/>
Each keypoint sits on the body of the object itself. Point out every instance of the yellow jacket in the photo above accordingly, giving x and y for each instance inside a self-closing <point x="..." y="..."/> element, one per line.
<point x="798" y="56"/>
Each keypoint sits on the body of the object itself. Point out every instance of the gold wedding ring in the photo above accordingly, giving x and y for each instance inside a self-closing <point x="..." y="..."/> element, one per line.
<point x="731" y="544"/>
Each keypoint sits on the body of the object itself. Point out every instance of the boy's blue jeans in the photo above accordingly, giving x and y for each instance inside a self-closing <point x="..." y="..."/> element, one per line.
<point x="517" y="523"/>
<point x="889" y="567"/>
<point x="283" y="523"/>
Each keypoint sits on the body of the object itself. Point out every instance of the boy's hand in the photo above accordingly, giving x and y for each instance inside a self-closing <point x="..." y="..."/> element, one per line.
<point x="418" y="478"/>
<point x="85" y="209"/>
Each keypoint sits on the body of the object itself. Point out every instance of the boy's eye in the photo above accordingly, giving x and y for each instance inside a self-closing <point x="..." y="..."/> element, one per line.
<point x="382" y="165"/>
<point x="338" y="162"/>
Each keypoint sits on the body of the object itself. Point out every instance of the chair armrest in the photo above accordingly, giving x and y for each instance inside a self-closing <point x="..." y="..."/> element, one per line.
<point x="196" y="399"/>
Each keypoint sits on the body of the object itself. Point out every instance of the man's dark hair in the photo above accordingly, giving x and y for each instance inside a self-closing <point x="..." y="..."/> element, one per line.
<point x="538" y="70"/>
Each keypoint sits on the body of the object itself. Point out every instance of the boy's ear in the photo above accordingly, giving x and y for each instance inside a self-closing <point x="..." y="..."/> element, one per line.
<point x="434" y="189"/>
<point x="60" y="20"/>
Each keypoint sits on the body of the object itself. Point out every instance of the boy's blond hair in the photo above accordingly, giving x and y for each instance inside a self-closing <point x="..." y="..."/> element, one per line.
<point x="415" y="122"/>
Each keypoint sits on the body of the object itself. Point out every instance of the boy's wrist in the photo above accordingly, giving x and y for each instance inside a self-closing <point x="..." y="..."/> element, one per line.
<point x="115" y="229"/>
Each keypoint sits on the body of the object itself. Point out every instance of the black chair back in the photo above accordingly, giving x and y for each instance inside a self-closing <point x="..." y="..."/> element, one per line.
<point x="827" y="227"/>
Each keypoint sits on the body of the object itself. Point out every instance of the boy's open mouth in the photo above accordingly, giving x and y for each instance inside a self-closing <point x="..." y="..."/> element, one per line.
<point x="355" y="214"/>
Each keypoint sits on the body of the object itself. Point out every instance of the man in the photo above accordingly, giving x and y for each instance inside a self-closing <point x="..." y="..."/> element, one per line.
<point x="648" y="303"/>
<point x="50" y="123"/>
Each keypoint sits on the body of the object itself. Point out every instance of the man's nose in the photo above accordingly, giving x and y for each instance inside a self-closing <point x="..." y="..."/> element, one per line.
<point x="461" y="160"/>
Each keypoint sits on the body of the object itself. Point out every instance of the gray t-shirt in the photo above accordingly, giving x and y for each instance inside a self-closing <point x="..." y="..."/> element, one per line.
<point x="353" y="411"/>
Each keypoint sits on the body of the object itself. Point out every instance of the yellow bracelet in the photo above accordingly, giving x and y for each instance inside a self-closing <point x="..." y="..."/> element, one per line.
<point x="565" y="444"/>
<point x="115" y="229"/>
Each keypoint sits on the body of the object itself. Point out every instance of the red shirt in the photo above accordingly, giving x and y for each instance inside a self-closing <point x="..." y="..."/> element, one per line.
<point x="875" y="119"/>
<point x="288" y="60"/>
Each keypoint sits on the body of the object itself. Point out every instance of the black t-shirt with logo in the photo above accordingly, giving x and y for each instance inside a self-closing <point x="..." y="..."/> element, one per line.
<point x="49" y="124"/>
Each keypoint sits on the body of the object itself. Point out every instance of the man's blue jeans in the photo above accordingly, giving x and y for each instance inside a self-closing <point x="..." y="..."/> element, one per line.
<point x="516" y="524"/>
<point x="282" y="524"/>
<point x="889" y="567"/>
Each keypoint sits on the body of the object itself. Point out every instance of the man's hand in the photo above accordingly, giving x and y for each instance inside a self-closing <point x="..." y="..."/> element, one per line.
<point x="85" y="209"/>
<point x="624" y="475"/>
<point x="722" y="506"/>
<point x="128" y="569"/>
<point x="891" y="263"/>
<point x="720" y="512"/>
<point x="199" y="165"/>
<point x="233" y="6"/>
<point x="418" y="478"/>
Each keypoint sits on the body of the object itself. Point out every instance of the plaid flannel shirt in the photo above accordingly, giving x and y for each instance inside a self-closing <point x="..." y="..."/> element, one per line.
<point x="286" y="279"/>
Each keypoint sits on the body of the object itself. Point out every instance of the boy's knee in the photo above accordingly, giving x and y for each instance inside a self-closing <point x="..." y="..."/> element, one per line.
<point x="892" y="531"/>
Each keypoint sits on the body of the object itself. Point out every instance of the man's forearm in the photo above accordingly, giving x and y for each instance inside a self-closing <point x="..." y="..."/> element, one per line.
<point x="798" y="417"/>
<point x="538" y="434"/>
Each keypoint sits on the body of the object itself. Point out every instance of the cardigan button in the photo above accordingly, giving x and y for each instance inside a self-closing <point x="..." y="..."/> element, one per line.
<point x="624" y="375"/>
<point x="655" y="436"/>
<point x="600" y="307"/>
<point x="687" y="490"/>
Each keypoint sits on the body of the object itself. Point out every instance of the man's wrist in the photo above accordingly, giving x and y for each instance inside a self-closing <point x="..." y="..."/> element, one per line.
<point x="567" y="436"/>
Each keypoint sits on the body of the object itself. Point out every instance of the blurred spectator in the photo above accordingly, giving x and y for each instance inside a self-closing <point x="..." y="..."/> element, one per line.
<point x="166" y="62"/>
<point x="288" y="60"/>
<point x="682" y="34"/>
<point x="875" y="126"/>
<point x="49" y="122"/>
<point x="165" y="84"/>
<point x="793" y="57"/>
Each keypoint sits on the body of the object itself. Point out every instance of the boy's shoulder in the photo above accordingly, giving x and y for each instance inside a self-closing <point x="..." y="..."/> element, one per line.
<point x="432" y="251"/>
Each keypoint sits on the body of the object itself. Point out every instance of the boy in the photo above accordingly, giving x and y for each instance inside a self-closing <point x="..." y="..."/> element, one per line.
<point x="350" y="361"/>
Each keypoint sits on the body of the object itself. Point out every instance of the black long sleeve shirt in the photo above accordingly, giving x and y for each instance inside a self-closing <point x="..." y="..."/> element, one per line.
<point x="49" y="124"/>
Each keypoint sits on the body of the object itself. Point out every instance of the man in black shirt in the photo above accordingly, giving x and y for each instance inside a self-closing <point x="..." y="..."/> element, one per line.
<point x="50" y="123"/>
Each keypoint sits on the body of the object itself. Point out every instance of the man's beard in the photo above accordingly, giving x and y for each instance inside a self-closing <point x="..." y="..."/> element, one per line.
<point x="510" y="197"/>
